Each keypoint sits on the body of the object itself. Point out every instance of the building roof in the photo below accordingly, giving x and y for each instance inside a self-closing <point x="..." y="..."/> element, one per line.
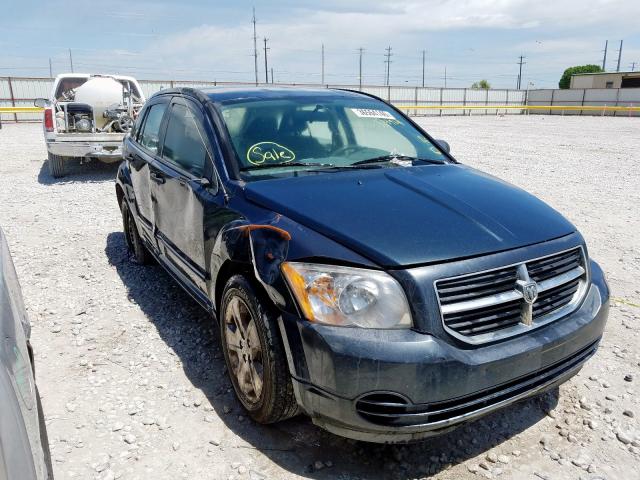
<point x="607" y="73"/>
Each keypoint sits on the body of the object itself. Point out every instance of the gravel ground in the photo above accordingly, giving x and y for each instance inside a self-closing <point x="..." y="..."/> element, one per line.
<point x="132" y="376"/>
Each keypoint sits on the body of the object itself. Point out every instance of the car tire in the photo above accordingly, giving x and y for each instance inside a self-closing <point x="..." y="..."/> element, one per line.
<point x="139" y="252"/>
<point x="56" y="165"/>
<point x="275" y="400"/>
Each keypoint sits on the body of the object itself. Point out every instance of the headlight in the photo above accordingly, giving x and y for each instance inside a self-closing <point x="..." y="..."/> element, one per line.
<point x="347" y="296"/>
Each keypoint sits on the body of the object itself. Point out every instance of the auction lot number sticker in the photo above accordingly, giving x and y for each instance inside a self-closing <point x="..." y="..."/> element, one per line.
<point x="372" y="113"/>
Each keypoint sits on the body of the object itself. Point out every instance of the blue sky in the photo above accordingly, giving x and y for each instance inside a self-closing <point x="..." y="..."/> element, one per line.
<point x="212" y="40"/>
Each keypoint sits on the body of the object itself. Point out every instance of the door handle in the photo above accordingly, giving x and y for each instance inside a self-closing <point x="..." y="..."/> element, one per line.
<point x="156" y="177"/>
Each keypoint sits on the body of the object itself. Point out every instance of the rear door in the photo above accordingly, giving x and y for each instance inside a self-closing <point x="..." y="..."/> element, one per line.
<point x="180" y="196"/>
<point x="140" y="151"/>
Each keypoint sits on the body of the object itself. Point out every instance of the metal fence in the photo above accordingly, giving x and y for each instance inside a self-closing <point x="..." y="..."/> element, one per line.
<point x="21" y="91"/>
<point x="580" y="97"/>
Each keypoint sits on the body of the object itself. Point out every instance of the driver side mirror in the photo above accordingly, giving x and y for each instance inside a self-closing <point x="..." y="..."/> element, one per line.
<point x="41" y="102"/>
<point x="444" y="145"/>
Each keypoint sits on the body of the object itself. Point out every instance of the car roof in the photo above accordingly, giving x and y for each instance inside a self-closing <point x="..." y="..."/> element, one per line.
<point x="248" y="93"/>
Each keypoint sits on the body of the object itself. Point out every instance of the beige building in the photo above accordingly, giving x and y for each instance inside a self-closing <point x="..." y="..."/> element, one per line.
<point x="606" y="80"/>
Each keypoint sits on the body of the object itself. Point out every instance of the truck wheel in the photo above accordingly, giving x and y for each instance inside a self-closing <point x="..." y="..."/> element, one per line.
<point x="254" y="353"/>
<point x="138" y="250"/>
<point x="56" y="166"/>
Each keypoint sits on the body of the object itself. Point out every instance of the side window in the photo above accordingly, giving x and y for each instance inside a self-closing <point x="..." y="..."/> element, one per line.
<point x="184" y="140"/>
<point x="150" y="137"/>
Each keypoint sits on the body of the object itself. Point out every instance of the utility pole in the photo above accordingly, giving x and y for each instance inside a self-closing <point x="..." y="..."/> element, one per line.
<point x="271" y="74"/>
<point x="424" y="53"/>
<point x="360" y="51"/>
<point x="71" y="60"/>
<point x="633" y="66"/>
<point x="520" y="71"/>
<point x="51" y="70"/>
<point x="255" y="46"/>
<point x="619" y="56"/>
<point x="322" y="76"/>
<point x="266" y="68"/>
<point x="388" y="62"/>
<point x="604" y="58"/>
<point x="445" y="77"/>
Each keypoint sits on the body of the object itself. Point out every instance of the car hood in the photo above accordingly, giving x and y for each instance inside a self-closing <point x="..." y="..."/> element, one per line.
<point x="411" y="216"/>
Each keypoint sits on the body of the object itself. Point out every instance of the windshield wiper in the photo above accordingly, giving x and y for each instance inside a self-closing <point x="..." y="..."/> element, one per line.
<point x="388" y="158"/>
<point x="289" y="164"/>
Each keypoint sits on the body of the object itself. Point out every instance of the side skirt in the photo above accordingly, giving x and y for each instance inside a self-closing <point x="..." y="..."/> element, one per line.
<point x="184" y="282"/>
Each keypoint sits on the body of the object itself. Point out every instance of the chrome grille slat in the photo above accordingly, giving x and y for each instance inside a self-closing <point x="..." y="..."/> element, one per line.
<point x="471" y="314"/>
<point x="511" y="309"/>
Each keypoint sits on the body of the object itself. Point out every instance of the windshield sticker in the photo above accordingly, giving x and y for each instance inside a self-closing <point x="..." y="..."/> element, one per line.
<point x="269" y="152"/>
<point x="371" y="113"/>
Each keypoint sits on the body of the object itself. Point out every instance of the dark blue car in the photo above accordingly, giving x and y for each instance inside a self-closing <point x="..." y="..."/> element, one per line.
<point x="357" y="271"/>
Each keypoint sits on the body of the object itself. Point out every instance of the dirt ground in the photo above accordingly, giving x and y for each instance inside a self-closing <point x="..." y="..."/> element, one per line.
<point x="131" y="374"/>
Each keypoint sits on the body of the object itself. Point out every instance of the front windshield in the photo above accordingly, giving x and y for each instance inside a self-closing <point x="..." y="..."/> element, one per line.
<point x="307" y="134"/>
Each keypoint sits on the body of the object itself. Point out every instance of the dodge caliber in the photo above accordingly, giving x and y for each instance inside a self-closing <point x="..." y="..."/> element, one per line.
<point x="358" y="273"/>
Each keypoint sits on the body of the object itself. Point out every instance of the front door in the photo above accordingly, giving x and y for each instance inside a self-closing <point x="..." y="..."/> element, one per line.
<point x="180" y="197"/>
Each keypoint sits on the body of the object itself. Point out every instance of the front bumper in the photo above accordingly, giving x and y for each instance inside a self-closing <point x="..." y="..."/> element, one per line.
<point x="400" y="386"/>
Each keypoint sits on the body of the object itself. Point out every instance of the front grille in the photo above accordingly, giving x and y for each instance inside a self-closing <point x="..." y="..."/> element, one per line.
<point x="391" y="409"/>
<point x="487" y="305"/>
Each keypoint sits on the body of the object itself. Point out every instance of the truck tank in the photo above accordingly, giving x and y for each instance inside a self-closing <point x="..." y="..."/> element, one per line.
<point x="101" y="94"/>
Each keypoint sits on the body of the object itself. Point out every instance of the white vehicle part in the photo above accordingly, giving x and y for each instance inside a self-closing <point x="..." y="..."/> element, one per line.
<point x="101" y="93"/>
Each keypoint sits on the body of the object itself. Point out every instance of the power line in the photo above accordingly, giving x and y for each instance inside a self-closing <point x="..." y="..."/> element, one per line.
<point x="388" y="62"/>
<point x="604" y="58"/>
<point x="266" y="68"/>
<point x="255" y="45"/>
<point x="360" y="51"/>
<point x="619" y="56"/>
<point x="520" y="63"/>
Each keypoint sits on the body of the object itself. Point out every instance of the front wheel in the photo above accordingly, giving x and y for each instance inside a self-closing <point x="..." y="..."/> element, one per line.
<point x="57" y="167"/>
<point x="254" y="353"/>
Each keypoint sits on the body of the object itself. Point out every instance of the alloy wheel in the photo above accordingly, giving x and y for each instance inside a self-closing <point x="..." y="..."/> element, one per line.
<point x="244" y="350"/>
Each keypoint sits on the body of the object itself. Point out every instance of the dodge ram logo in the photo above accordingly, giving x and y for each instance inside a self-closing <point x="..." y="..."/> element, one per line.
<point x="530" y="292"/>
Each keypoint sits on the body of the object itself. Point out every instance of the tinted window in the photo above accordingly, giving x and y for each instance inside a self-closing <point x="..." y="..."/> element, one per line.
<point x="150" y="137"/>
<point x="184" y="140"/>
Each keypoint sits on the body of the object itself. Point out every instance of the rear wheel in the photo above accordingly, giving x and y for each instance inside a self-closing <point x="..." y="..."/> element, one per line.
<point x="138" y="250"/>
<point x="56" y="165"/>
<point x="254" y="353"/>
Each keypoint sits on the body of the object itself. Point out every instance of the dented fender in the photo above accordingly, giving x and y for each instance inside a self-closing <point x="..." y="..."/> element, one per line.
<point x="265" y="242"/>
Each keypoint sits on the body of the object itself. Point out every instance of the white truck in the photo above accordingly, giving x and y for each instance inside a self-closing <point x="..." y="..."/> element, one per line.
<point x="87" y="116"/>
